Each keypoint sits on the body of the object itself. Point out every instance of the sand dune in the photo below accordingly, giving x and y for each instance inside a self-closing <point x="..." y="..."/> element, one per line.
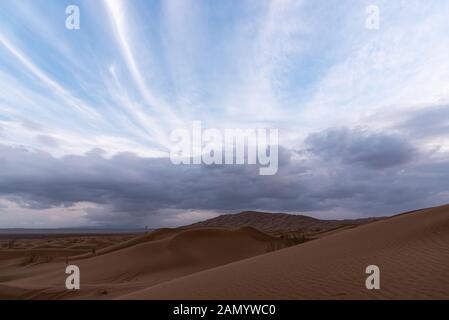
<point x="276" y="223"/>
<point x="412" y="251"/>
<point x="143" y="262"/>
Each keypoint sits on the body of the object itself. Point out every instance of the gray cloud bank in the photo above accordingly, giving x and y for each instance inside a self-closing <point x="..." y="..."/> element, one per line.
<point x="338" y="172"/>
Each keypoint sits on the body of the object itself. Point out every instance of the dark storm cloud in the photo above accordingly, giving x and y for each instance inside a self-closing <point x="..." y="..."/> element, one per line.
<point x="131" y="186"/>
<point x="357" y="146"/>
<point x="356" y="171"/>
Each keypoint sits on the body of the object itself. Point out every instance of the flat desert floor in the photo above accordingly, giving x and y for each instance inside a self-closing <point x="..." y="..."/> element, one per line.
<point x="411" y="250"/>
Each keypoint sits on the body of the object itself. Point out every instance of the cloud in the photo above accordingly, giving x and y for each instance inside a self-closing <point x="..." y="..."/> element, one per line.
<point x="361" y="147"/>
<point x="118" y="13"/>
<point x="301" y="67"/>
<point x="47" y="140"/>
<point x="66" y="96"/>
<point x="427" y="122"/>
<point x="129" y="190"/>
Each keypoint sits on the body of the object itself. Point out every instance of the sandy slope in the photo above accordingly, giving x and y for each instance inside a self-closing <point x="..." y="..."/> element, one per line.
<point x="139" y="263"/>
<point x="412" y="251"/>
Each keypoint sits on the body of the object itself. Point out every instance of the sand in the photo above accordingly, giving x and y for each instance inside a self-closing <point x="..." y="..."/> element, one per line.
<point x="412" y="251"/>
<point x="141" y="262"/>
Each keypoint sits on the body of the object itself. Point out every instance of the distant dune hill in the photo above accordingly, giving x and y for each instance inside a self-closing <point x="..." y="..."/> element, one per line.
<point x="277" y="222"/>
<point x="411" y="250"/>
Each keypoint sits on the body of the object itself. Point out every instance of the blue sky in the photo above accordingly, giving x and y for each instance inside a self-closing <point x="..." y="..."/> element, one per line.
<point x="136" y="70"/>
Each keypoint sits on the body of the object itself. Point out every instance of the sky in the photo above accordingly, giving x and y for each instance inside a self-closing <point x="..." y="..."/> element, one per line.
<point x="86" y="114"/>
